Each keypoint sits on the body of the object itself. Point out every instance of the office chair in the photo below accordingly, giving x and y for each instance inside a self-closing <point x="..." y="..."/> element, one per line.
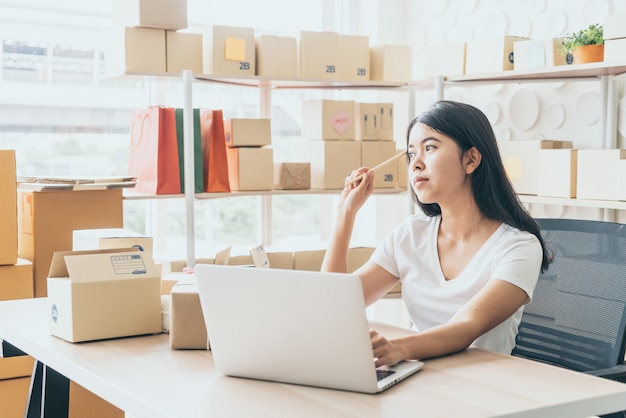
<point x="577" y="318"/>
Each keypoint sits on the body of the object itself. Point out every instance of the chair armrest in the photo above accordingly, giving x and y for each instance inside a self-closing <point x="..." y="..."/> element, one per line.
<point x="614" y="372"/>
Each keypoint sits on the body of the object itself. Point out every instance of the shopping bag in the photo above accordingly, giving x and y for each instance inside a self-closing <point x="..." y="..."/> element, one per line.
<point x="197" y="150"/>
<point x="153" y="157"/>
<point x="214" y="152"/>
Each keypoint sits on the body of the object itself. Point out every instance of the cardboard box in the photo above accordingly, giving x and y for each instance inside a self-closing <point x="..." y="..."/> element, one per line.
<point x="354" y="58"/>
<point x="16" y="281"/>
<point x="614" y="26"/>
<point x="402" y="179"/>
<point x="374" y="153"/>
<point x="108" y="238"/>
<point x="598" y="174"/>
<point x="250" y="168"/>
<point x="520" y="159"/>
<point x="249" y="132"/>
<point x="84" y="403"/>
<point x="161" y="14"/>
<point x="530" y="53"/>
<point x="557" y="172"/>
<point x="183" y="52"/>
<point x="490" y="55"/>
<point x="17" y="366"/>
<point x="329" y="119"/>
<point x="101" y="294"/>
<point x="615" y="50"/>
<point x="331" y="161"/>
<point x="308" y="260"/>
<point x="228" y="50"/>
<point x="46" y="221"/>
<point x="281" y="260"/>
<point x="187" y="327"/>
<point x="8" y="207"/>
<point x="445" y="60"/>
<point x="318" y="55"/>
<point x="374" y="121"/>
<point x="390" y="63"/>
<point x="276" y="56"/>
<point x="292" y="176"/>
<point x="135" y="50"/>
<point x="14" y="396"/>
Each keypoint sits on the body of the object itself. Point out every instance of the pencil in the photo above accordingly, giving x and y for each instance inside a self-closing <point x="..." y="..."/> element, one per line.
<point x="384" y="163"/>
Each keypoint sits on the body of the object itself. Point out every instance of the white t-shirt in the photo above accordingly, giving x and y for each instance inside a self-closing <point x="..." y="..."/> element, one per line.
<point x="410" y="253"/>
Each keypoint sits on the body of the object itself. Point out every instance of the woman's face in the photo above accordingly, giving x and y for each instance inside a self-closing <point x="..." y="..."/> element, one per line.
<point x="437" y="168"/>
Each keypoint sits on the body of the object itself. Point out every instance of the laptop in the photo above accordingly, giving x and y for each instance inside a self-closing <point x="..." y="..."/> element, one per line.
<point x="300" y="327"/>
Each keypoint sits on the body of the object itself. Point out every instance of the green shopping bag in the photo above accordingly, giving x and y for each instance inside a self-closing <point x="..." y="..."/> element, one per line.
<point x="197" y="150"/>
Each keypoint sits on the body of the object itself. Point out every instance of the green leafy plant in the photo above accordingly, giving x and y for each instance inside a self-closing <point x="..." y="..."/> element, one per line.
<point x="593" y="35"/>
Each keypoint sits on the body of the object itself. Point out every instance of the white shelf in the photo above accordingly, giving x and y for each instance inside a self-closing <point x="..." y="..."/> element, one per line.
<point x="130" y="195"/>
<point x="259" y="81"/>
<point x="545" y="74"/>
<point x="581" y="203"/>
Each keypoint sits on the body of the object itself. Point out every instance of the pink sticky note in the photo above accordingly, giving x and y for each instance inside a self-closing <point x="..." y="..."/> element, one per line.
<point x="341" y="121"/>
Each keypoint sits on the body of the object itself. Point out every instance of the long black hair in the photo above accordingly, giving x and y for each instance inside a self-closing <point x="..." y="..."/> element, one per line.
<point x="469" y="127"/>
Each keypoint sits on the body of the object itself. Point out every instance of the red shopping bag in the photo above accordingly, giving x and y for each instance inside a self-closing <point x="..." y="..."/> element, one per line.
<point x="153" y="158"/>
<point x="215" y="164"/>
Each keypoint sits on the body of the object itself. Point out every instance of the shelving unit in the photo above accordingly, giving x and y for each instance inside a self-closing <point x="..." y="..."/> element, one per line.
<point x="606" y="73"/>
<point x="265" y="86"/>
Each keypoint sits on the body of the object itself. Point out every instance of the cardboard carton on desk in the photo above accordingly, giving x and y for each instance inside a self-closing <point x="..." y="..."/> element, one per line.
<point x="101" y="294"/>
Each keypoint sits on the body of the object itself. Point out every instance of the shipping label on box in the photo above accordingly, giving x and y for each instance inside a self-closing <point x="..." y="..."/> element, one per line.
<point x="318" y="55"/>
<point x="374" y="153"/>
<point x="101" y="294"/>
<point x="598" y="174"/>
<point x="520" y="159"/>
<point x="331" y="161"/>
<point x="8" y="207"/>
<point x="276" y="56"/>
<point x="390" y="63"/>
<point x="329" y="119"/>
<point x="557" y="169"/>
<point x="354" y="58"/>
<point x="161" y="14"/>
<point x="448" y="59"/>
<point x="183" y="52"/>
<point x="292" y="176"/>
<point x="491" y="55"/>
<point x="249" y="132"/>
<point x="228" y="50"/>
<point x="135" y="50"/>
<point x="250" y="168"/>
<point x="108" y="238"/>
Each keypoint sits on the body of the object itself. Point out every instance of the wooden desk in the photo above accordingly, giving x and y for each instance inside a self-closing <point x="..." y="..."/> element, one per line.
<point x="146" y="378"/>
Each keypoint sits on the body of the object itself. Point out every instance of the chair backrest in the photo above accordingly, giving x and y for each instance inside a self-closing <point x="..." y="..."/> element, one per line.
<point x="578" y="314"/>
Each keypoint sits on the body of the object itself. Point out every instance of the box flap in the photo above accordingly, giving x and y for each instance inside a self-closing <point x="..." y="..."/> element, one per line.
<point x="85" y="268"/>
<point x="58" y="267"/>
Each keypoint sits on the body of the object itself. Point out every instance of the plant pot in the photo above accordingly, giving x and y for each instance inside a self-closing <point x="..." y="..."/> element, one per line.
<point x="588" y="53"/>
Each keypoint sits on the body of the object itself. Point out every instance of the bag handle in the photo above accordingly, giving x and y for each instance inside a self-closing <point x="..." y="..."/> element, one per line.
<point x="134" y="145"/>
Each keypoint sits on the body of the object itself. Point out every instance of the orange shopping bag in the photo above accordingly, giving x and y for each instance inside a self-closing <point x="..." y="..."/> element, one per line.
<point x="153" y="158"/>
<point x="215" y="164"/>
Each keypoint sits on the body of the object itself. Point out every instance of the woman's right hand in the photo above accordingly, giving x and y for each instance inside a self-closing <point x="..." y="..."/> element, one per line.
<point x="356" y="193"/>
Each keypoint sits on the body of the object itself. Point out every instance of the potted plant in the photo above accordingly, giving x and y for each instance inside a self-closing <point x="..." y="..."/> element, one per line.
<point x="585" y="45"/>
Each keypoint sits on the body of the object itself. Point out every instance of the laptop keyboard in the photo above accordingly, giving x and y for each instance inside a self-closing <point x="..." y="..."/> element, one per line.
<point x="381" y="374"/>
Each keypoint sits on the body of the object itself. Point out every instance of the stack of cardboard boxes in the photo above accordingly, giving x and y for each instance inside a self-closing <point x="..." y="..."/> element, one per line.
<point x="16" y="282"/>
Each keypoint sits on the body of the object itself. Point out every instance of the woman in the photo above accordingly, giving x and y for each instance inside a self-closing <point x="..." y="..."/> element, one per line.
<point x="469" y="263"/>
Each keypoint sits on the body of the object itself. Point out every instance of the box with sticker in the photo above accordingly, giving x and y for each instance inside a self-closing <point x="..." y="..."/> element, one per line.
<point x="100" y="294"/>
<point x="330" y="120"/>
<point x="228" y="50"/>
